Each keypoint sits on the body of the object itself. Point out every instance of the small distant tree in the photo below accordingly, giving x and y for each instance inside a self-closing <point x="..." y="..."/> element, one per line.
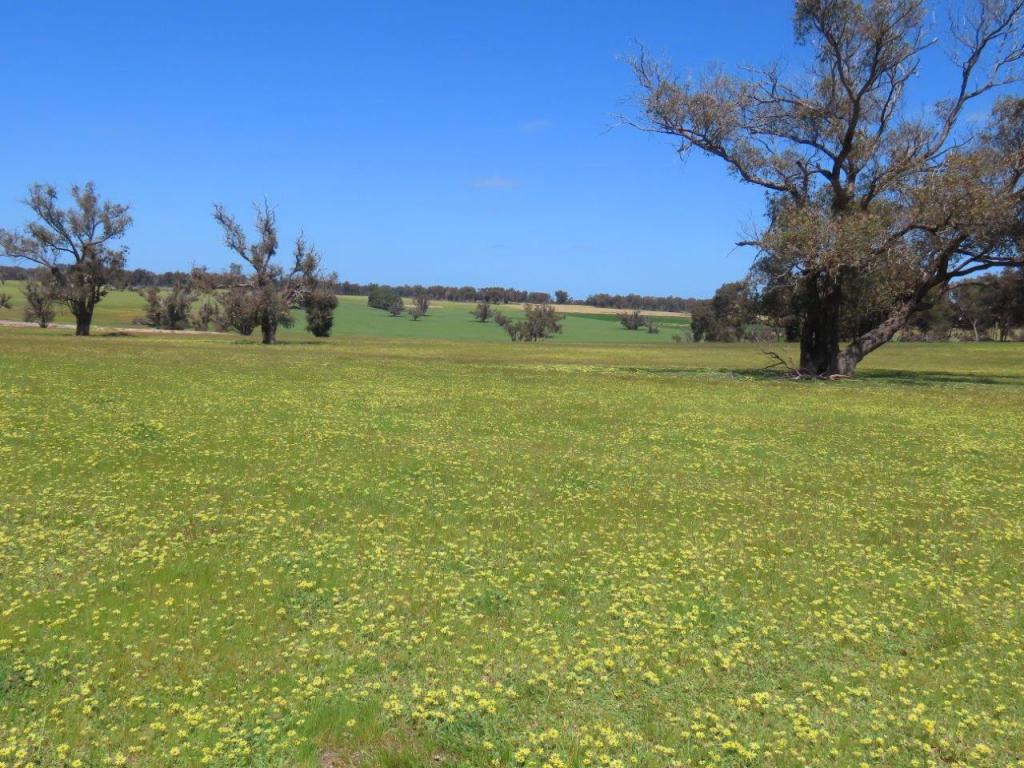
<point x="5" y="301"/>
<point x="541" y="322"/>
<point x="396" y="307"/>
<point x="169" y="310"/>
<point x="483" y="311"/>
<point x="415" y="312"/>
<point x="561" y="297"/>
<point x="632" y="321"/>
<point x="320" y="304"/>
<point x="270" y="293"/>
<point x="421" y="304"/>
<point x="208" y="314"/>
<point x="39" y="300"/>
<point x="73" y="245"/>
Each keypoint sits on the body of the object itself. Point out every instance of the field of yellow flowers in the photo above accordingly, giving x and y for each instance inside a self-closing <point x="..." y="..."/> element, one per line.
<point x="387" y="553"/>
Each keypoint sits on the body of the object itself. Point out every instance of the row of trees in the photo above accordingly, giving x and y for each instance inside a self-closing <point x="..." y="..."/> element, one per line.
<point x="137" y="279"/>
<point x="78" y="264"/>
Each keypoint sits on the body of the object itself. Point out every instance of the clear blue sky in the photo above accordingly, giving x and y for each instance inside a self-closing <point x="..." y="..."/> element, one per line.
<point x="457" y="143"/>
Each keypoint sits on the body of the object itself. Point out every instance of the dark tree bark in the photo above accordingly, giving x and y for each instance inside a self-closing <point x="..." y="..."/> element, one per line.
<point x="268" y="327"/>
<point x="83" y="321"/>
<point x="819" y="334"/>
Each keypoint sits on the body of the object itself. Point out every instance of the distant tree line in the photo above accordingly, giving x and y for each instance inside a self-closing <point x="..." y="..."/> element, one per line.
<point x="143" y="278"/>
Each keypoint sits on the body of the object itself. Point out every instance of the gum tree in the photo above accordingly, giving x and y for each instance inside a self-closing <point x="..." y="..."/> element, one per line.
<point x="73" y="245"/>
<point x="867" y="197"/>
<point x="269" y="290"/>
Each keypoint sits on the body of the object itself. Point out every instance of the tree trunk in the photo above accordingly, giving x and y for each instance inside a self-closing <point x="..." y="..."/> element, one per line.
<point x="819" y="334"/>
<point x="268" y="326"/>
<point x="868" y="342"/>
<point x="83" y="321"/>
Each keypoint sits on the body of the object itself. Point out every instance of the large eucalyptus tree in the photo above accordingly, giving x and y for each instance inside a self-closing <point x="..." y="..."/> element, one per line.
<point x="865" y="192"/>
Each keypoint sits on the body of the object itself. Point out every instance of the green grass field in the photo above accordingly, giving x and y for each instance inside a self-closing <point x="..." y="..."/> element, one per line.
<point x="371" y="552"/>
<point x="446" y="321"/>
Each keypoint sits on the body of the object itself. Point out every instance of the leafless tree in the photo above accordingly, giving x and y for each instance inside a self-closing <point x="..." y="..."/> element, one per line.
<point x="861" y="188"/>
<point x="73" y="245"/>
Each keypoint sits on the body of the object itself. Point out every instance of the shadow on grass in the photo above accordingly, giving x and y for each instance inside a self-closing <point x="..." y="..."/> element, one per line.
<point x="901" y="377"/>
<point x="934" y="378"/>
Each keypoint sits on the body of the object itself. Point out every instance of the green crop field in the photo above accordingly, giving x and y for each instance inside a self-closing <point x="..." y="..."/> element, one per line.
<point x="371" y="552"/>
<point x="447" y="320"/>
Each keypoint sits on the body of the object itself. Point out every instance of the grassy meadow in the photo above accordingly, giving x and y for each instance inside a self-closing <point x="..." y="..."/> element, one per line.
<point x="370" y="552"/>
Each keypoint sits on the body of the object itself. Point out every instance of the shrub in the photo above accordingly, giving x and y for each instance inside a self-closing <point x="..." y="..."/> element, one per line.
<point x="167" y="310"/>
<point x="483" y="311"/>
<point x="422" y="304"/>
<point x="239" y="311"/>
<point x="208" y="314"/>
<point x="632" y="321"/>
<point x="396" y="307"/>
<point x="39" y="298"/>
<point x="320" y="304"/>
<point x="541" y="322"/>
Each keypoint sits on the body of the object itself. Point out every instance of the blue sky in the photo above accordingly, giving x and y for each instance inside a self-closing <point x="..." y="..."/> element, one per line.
<point x="456" y="143"/>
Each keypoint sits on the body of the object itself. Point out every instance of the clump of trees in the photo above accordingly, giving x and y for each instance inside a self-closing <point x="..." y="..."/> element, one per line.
<point x="726" y="316"/>
<point x="382" y="297"/>
<point x="635" y="320"/>
<point x="483" y="311"/>
<point x="396" y="307"/>
<point x="420" y="305"/>
<point x="541" y="321"/>
<point x="169" y="310"/>
<point x="980" y="309"/>
<point x="73" y="245"/>
<point x="265" y="296"/>
<point x="874" y="206"/>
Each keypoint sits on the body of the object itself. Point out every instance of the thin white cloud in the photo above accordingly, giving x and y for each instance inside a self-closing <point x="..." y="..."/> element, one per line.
<point x="535" y="126"/>
<point x="493" y="182"/>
